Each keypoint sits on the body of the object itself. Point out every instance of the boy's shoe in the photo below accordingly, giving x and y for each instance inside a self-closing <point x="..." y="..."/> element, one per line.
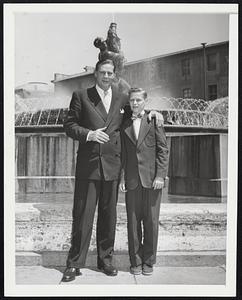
<point x="137" y="270"/>
<point x="147" y="270"/>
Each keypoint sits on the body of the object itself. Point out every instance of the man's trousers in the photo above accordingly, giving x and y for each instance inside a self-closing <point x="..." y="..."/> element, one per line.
<point x="86" y="196"/>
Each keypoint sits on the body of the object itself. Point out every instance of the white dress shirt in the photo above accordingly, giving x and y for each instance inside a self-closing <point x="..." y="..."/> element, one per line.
<point x="136" y="125"/>
<point x="106" y="97"/>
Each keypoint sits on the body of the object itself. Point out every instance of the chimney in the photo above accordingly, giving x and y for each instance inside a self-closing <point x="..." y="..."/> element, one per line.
<point x="59" y="76"/>
<point x="89" y="69"/>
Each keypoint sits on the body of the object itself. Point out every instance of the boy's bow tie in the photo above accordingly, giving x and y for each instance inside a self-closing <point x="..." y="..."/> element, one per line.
<point x="138" y="116"/>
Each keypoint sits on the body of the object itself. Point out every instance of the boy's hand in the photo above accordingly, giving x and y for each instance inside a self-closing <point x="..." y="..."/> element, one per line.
<point x="158" y="183"/>
<point x="122" y="186"/>
<point x="159" y="120"/>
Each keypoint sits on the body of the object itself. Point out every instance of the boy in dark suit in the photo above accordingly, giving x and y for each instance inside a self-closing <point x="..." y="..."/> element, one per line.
<point x="145" y="164"/>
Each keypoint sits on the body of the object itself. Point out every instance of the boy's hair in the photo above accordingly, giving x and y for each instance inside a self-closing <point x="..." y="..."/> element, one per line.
<point x="104" y="62"/>
<point x="138" y="90"/>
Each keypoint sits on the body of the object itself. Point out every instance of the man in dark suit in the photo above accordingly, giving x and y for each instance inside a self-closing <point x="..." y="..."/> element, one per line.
<point x="145" y="165"/>
<point x="94" y="119"/>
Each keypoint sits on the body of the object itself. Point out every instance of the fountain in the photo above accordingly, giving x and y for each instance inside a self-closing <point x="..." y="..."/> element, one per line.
<point x="196" y="133"/>
<point x="176" y="111"/>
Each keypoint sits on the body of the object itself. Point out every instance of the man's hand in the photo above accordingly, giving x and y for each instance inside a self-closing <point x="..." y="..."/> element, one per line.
<point x="98" y="136"/>
<point x="122" y="186"/>
<point x="158" y="183"/>
<point x="159" y="120"/>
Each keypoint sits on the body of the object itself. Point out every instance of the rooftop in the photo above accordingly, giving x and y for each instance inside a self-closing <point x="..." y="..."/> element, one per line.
<point x="88" y="72"/>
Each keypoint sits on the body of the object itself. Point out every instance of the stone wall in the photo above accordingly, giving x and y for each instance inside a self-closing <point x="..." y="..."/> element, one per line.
<point x="198" y="164"/>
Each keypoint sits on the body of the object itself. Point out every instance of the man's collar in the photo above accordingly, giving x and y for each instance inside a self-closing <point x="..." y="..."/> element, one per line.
<point x="101" y="91"/>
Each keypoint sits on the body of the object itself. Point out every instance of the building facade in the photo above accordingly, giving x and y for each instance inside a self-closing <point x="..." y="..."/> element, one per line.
<point x="200" y="73"/>
<point x="33" y="89"/>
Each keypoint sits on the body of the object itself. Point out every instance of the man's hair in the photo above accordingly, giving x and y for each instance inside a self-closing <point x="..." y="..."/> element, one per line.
<point x="138" y="90"/>
<point x="104" y="62"/>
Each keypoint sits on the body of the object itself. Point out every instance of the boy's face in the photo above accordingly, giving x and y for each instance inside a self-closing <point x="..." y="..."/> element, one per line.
<point x="137" y="102"/>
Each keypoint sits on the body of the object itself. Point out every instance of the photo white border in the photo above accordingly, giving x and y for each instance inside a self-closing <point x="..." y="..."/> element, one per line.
<point x="11" y="289"/>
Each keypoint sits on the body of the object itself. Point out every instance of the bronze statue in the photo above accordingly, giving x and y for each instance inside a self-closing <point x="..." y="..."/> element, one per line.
<point x="111" y="48"/>
<point x="113" y="41"/>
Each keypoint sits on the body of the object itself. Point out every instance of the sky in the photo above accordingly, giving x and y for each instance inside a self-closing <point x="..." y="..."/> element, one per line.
<point x="48" y="43"/>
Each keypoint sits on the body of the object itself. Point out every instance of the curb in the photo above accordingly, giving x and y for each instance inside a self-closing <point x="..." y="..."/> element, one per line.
<point x="121" y="259"/>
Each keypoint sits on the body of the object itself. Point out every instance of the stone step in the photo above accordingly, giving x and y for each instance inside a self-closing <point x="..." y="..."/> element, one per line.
<point x="183" y="227"/>
<point x="181" y="212"/>
<point x="121" y="259"/>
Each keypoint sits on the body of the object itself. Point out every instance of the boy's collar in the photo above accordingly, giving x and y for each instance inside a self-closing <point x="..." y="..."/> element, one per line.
<point x="137" y="116"/>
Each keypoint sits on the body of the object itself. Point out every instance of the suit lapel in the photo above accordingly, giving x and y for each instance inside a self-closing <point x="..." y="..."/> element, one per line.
<point x="97" y="102"/>
<point x="129" y="130"/>
<point x="144" y="129"/>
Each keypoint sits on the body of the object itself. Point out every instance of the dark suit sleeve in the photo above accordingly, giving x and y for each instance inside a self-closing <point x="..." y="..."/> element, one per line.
<point x="72" y="123"/>
<point x="123" y="149"/>
<point x="162" y="152"/>
<point x="127" y="112"/>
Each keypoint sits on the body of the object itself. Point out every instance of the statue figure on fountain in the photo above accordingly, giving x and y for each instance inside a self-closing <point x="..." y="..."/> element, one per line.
<point x="111" y="49"/>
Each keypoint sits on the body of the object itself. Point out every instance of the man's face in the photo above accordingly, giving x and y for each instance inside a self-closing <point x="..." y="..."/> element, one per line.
<point x="104" y="76"/>
<point x="137" y="102"/>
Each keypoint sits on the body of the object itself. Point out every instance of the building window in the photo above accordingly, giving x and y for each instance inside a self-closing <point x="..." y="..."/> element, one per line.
<point x="212" y="92"/>
<point x="211" y="62"/>
<point x="187" y="93"/>
<point x="185" y="65"/>
<point x="162" y="71"/>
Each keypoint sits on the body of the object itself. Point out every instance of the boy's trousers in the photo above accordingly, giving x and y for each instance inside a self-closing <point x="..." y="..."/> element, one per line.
<point x="143" y="208"/>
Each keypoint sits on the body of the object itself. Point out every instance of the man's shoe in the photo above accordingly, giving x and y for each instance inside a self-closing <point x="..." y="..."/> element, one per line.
<point x="109" y="270"/>
<point x="70" y="274"/>
<point x="137" y="270"/>
<point x="78" y="272"/>
<point x="147" y="270"/>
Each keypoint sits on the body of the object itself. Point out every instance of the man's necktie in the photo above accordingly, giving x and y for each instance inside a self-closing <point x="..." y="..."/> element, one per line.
<point x="105" y="101"/>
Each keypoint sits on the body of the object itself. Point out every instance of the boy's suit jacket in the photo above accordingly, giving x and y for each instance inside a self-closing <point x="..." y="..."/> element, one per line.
<point x="86" y="113"/>
<point x="146" y="157"/>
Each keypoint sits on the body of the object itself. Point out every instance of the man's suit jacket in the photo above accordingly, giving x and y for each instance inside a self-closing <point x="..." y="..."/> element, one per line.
<point x="146" y="157"/>
<point x="96" y="161"/>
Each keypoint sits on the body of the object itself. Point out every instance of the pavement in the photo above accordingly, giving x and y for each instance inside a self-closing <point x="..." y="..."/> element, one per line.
<point x="27" y="275"/>
<point x="191" y="247"/>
